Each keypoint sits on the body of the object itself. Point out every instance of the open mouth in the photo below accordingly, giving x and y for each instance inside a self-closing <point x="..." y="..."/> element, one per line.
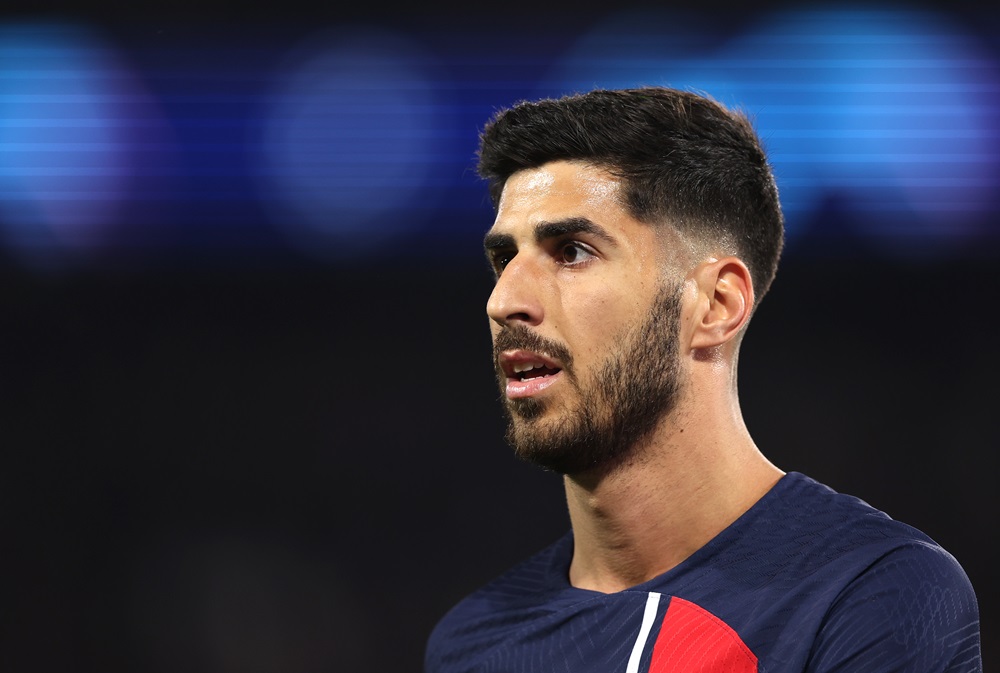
<point x="531" y="370"/>
<point x="528" y="373"/>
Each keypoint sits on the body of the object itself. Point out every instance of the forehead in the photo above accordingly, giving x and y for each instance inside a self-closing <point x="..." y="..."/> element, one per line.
<point x="558" y="190"/>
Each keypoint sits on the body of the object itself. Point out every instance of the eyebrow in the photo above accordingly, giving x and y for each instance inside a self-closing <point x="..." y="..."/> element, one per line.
<point x="549" y="230"/>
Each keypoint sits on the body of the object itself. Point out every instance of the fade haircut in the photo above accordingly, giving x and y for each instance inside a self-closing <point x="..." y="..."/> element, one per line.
<point x="682" y="158"/>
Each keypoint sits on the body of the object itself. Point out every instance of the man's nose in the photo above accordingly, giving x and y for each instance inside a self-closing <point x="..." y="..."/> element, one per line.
<point x="516" y="295"/>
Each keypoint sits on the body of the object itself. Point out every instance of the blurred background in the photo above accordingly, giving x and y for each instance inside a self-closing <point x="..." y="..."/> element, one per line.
<point x="249" y="421"/>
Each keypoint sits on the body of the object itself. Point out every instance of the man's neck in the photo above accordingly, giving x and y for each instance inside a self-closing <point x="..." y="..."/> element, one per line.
<point x="649" y="515"/>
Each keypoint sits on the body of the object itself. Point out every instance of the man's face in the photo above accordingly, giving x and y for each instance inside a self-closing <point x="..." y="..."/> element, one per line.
<point x="584" y="322"/>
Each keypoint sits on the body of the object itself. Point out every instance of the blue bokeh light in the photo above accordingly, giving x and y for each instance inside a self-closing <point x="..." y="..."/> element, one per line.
<point x="883" y="116"/>
<point x="349" y="140"/>
<point x="294" y="142"/>
<point x="71" y="118"/>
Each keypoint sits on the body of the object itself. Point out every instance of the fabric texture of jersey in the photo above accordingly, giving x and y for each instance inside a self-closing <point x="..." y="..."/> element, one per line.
<point x="807" y="580"/>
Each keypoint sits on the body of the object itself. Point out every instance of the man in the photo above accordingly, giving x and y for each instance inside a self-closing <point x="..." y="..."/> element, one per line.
<point x="636" y="232"/>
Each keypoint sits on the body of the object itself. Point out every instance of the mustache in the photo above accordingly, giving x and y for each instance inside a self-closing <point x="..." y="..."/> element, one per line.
<point x="518" y="336"/>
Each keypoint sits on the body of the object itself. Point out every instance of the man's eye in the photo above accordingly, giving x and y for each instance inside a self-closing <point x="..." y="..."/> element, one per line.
<point x="501" y="260"/>
<point x="575" y="253"/>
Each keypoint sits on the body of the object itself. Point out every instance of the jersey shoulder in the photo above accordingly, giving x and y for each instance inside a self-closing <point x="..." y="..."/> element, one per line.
<point x="816" y="566"/>
<point x="525" y="593"/>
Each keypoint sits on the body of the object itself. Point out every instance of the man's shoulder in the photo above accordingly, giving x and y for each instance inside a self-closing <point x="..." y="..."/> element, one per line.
<point x="523" y="593"/>
<point x="850" y="574"/>
<point x="522" y="588"/>
<point x="802" y="533"/>
<point x="896" y="598"/>
<point x="809" y="516"/>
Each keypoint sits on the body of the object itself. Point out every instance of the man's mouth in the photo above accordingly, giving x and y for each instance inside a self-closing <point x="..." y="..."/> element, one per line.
<point x="527" y="373"/>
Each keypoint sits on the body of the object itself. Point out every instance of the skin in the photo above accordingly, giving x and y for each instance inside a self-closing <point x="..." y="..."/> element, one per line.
<point x="700" y="469"/>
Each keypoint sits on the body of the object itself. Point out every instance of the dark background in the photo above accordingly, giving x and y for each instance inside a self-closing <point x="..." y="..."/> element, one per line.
<point x="227" y="452"/>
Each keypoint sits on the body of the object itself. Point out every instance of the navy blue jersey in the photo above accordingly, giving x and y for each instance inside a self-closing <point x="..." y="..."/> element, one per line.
<point x="807" y="580"/>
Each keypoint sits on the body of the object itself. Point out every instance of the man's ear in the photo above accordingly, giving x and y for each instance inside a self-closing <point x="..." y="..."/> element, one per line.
<point x="725" y="301"/>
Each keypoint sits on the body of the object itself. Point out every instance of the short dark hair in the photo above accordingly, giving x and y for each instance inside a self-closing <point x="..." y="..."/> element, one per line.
<point x="682" y="158"/>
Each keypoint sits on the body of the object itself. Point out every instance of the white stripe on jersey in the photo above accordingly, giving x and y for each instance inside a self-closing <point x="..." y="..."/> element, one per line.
<point x="648" y="616"/>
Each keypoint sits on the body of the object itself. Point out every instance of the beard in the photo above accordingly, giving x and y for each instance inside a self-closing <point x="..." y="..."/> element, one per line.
<point x="616" y="408"/>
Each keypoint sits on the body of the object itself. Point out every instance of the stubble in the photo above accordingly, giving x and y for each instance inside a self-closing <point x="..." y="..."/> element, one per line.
<point x="615" y="407"/>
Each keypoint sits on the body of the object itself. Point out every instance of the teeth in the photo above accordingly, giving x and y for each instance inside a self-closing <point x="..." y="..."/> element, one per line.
<point x="527" y="366"/>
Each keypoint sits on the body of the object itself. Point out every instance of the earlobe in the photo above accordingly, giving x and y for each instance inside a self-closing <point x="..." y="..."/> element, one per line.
<point x="726" y="298"/>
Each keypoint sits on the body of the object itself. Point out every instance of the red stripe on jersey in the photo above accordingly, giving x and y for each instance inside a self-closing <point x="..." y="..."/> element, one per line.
<point x="693" y="640"/>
